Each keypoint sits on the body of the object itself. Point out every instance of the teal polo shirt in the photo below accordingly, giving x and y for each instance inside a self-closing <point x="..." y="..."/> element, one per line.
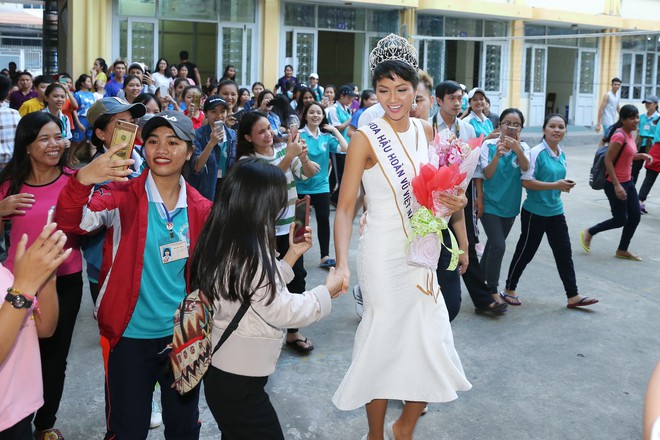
<point x="163" y="285"/>
<point x="545" y="166"/>
<point x="318" y="150"/>
<point x="481" y="127"/>
<point x="503" y="191"/>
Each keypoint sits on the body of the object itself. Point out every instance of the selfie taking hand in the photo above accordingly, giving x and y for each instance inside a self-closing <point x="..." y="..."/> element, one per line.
<point x="104" y="168"/>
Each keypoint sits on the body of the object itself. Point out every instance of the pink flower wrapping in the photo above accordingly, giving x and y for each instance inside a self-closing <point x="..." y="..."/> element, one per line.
<point x="424" y="251"/>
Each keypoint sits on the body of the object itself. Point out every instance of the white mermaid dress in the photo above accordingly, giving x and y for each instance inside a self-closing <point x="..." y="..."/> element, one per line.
<point x="404" y="347"/>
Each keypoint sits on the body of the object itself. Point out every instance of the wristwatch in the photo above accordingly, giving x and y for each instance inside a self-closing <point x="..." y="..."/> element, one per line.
<point x="18" y="301"/>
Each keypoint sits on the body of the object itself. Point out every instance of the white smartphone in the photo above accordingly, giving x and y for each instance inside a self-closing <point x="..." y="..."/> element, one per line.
<point x="51" y="215"/>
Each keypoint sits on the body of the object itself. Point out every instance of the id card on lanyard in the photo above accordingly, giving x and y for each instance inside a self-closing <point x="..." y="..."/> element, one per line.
<point x="174" y="247"/>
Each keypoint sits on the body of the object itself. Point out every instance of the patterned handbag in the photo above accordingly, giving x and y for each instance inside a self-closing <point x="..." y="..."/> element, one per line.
<point x="191" y="354"/>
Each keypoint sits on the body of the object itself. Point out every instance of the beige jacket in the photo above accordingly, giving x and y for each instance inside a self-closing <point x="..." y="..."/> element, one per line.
<point x="253" y="349"/>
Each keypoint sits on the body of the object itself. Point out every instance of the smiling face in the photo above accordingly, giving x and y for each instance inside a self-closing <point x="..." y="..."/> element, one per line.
<point x="329" y="93"/>
<point x="132" y="89"/>
<point x="183" y="72"/>
<point x="56" y="99"/>
<point x="245" y="96"/>
<point x="165" y="153"/>
<point x="288" y="72"/>
<point x="261" y="136"/>
<point x="174" y="71"/>
<point x="217" y="113"/>
<point x="314" y="116"/>
<point x="396" y="96"/>
<point x="162" y="65"/>
<point x="179" y="88"/>
<point x="48" y="148"/>
<point x="478" y="102"/>
<point x="229" y="93"/>
<point x="554" y="130"/>
<point x="630" y="124"/>
<point x="307" y="98"/>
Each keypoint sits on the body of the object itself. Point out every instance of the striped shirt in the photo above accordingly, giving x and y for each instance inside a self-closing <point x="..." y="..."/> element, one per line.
<point x="287" y="217"/>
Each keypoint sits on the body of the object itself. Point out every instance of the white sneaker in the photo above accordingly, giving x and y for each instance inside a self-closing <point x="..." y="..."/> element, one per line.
<point x="156" y="415"/>
<point x="424" y="411"/>
<point x="357" y="294"/>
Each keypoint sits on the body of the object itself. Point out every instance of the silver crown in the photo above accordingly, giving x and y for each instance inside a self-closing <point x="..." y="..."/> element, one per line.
<point x="393" y="47"/>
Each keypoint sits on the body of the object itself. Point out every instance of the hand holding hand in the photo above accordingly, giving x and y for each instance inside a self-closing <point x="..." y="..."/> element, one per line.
<point x="104" y="168"/>
<point x="16" y="204"/>
<point x="34" y="266"/>
<point x="345" y="274"/>
<point x="334" y="283"/>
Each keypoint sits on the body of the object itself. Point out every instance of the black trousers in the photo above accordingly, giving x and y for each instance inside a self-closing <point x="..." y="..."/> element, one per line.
<point x="625" y="214"/>
<point x="449" y="280"/>
<point x="133" y="368"/>
<point x="642" y="147"/>
<point x="533" y="227"/>
<point x="474" y="278"/>
<point x="297" y="285"/>
<point x="338" y="161"/>
<point x="20" y="431"/>
<point x="321" y="204"/>
<point x="649" y="180"/>
<point x="55" y="350"/>
<point x="241" y="406"/>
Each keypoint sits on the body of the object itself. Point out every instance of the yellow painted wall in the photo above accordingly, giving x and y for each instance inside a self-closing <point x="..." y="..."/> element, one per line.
<point x="270" y="43"/>
<point x="90" y="37"/>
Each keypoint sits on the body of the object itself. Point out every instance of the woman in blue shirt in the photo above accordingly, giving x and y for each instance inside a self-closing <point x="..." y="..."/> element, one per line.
<point x="502" y="160"/>
<point x="543" y="214"/>
<point x="645" y="133"/>
<point x="322" y="138"/>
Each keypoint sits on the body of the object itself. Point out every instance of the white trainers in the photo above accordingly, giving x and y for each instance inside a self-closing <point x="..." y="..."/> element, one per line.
<point x="156" y="415"/>
<point x="357" y="294"/>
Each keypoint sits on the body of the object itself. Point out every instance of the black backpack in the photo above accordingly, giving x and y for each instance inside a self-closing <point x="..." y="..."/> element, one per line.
<point x="598" y="173"/>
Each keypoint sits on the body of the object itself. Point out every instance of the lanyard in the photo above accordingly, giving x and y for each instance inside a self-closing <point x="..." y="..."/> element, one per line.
<point x="170" y="220"/>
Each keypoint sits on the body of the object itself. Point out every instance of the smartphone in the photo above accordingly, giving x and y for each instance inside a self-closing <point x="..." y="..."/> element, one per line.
<point x="62" y="80"/>
<point x="570" y="181"/>
<point x="239" y="114"/>
<point x="197" y="99"/>
<point x="511" y="132"/>
<point x="51" y="215"/>
<point x="124" y="133"/>
<point x="301" y="219"/>
<point x="163" y="91"/>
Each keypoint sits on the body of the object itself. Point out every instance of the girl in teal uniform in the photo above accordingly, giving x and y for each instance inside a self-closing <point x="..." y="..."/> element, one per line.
<point x="543" y="214"/>
<point x="645" y="133"/>
<point x="502" y="160"/>
<point x="322" y="139"/>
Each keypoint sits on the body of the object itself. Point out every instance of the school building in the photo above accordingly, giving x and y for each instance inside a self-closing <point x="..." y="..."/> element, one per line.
<point x="537" y="55"/>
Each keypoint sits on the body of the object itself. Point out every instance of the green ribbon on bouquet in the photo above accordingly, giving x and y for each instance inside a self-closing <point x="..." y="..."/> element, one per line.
<point x="424" y="222"/>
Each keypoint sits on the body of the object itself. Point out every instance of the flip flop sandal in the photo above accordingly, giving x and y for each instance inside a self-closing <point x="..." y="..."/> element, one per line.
<point x="584" y="302"/>
<point x="328" y="263"/>
<point x="512" y="300"/>
<point x="629" y="257"/>
<point x="301" y="348"/>
<point x="498" y="308"/>
<point x="584" y="243"/>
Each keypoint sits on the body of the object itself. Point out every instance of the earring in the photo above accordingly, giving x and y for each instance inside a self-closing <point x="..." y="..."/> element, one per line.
<point x="414" y="106"/>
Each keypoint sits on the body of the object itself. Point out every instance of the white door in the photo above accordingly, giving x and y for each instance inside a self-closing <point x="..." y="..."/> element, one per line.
<point x="585" y="98"/>
<point x="236" y="48"/>
<point x="142" y="38"/>
<point x="304" y="50"/>
<point x="537" y="78"/>
<point x="492" y="60"/>
<point x="431" y="53"/>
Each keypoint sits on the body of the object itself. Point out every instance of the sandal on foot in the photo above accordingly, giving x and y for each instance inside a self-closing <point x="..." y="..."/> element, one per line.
<point x="584" y="302"/>
<point x="630" y="257"/>
<point x="298" y="344"/>
<point x="586" y="246"/>
<point x="512" y="300"/>
<point x="494" y="307"/>
<point x="328" y="263"/>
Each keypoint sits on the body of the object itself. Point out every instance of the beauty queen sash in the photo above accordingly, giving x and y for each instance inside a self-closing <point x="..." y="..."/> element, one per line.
<point x="396" y="163"/>
<point x="399" y="169"/>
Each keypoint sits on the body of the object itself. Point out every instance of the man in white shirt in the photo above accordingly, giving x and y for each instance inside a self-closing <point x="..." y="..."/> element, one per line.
<point x="8" y="121"/>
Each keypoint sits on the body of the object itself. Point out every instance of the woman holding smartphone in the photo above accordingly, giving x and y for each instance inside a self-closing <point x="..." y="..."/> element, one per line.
<point x="29" y="187"/>
<point x="238" y="264"/>
<point x="255" y="139"/>
<point x="321" y="138"/>
<point x="543" y="214"/>
<point x="140" y="292"/>
<point x="503" y="160"/>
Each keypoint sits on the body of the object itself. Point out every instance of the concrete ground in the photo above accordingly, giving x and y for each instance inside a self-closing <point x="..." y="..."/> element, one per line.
<point x="541" y="371"/>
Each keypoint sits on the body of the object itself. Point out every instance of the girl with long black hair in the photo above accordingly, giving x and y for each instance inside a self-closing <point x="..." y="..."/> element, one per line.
<point x="237" y="264"/>
<point x="620" y="186"/>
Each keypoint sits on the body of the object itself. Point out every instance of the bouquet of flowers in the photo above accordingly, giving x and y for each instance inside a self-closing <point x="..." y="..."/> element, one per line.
<point x="452" y="164"/>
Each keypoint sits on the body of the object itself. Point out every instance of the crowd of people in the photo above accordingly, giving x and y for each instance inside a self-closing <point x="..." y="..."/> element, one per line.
<point x="213" y="178"/>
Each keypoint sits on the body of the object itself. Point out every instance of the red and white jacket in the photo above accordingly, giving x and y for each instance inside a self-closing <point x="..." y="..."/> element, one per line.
<point x="121" y="207"/>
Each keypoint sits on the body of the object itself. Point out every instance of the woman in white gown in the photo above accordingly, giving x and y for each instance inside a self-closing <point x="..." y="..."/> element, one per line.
<point x="404" y="347"/>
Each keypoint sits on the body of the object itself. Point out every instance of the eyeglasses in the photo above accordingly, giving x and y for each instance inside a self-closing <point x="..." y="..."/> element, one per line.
<point x="515" y="125"/>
